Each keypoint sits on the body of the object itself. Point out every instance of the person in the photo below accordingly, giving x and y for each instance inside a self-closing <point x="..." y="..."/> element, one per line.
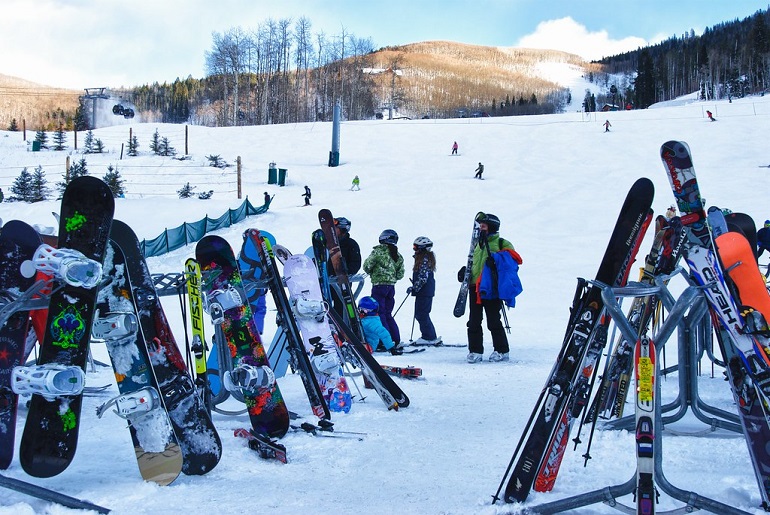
<point x="374" y="332"/>
<point x="479" y="171"/>
<point x="268" y="198"/>
<point x="356" y="184"/>
<point x="484" y="301"/>
<point x="763" y="239"/>
<point x="711" y="116"/>
<point x="671" y="212"/>
<point x="2" y="197"/>
<point x="607" y="125"/>
<point x="454" y="148"/>
<point x="351" y="256"/>
<point x="423" y="289"/>
<point x="307" y="195"/>
<point x="385" y="266"/>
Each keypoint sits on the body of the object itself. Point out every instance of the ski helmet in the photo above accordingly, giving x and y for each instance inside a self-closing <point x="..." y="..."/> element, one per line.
<point x="368" y="305"/>
<point x="343" y="223"/>
<point x="767" y="223"/>
<point x="389" y="236"/>
<point x="493" y="223"/>
<point x="423" y="243"/>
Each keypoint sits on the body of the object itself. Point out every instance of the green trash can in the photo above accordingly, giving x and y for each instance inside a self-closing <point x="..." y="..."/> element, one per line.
<point x="282" y="176"/>
<point x="272" y="175"/>
<point x="35" y="146"/>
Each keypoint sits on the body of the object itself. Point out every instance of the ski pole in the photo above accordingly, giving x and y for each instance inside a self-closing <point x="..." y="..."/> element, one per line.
<point x="411" y="336"/>
<point x="402" y="303"/>
<point x="505" y="317"/>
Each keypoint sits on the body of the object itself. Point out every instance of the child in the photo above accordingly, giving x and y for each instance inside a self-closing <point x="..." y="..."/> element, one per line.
<point x="374" y="332"/>
<point x="423" y="289"/>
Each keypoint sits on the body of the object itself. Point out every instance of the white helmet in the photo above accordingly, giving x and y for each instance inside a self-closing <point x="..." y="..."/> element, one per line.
<point x="423" y="243"/>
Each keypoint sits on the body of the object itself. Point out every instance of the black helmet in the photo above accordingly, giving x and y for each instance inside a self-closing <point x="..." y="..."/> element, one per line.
<point x="343" y="223"/>
<point x="389" y="236"/>
<point x="493" y="223"/>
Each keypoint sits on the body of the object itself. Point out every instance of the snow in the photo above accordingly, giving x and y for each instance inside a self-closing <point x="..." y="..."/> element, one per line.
<point x="557" y="183"/>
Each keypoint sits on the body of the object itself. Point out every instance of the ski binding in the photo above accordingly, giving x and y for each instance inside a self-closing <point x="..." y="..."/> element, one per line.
<point x="132" y="405"/>
<point x="50" y="380"/>
<point x="266" y="448"/>
<point x="68" y="265"/>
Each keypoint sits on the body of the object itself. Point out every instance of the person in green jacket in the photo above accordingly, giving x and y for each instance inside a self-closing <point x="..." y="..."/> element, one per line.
<point x="489" y="241"/>
<point x="385" y="267"/>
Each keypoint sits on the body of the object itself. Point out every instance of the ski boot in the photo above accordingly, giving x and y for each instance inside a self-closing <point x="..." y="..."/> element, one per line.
<point x="218" y="301"/>
<point x="132" y="405"/>
<point x="248" y="377"/>
<point x="305" y="308"/>
<point x="50" y="380"/>
<point x="68" y="265"/>
<point x="114" y="326"/>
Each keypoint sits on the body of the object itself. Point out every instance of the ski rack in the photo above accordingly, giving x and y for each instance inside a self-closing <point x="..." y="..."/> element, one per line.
<point x="692" y="331"/>
<point x="691" y="296"/>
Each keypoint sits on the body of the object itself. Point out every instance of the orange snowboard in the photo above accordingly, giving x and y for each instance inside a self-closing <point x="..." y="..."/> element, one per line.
<point x="734" y="248"/>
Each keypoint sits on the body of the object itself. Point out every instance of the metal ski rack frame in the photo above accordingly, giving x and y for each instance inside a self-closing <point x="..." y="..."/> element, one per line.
<point x="692" y="330"/>
<point x="608" y="495"/>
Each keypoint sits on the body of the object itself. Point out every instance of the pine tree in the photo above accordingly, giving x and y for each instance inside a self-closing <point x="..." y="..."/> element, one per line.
<point x="186" y="191"/>
<point x="42" y="138"/>
<point x="115" y="182"/>
<point x="98" y="146"/>
<point x="59" y="138"/>
<point x="39" y="190"/>
<point x="76" y="170"/>
<point x="88" y="143"/>
<point x="155" y="142"/>
<point x="22" y="186"/>
<point x="133" y="145"/>
<point x="14" y="126"/>
<point x="165" y="148"/>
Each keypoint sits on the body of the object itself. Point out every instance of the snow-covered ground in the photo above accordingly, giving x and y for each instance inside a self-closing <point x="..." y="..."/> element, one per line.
<point x="556" y="182"/>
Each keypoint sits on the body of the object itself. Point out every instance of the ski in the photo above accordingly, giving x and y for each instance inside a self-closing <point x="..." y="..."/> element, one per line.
<point x="645" y="375"/>
<point x="462" y="296"/>
<point x="198" y="346"/>
<point x="299" y="357"/>
<point x="408" y="372"/>
<point x="49" y="440"/>
<point x="586" y="316"/>
<point x="267" y="448"/>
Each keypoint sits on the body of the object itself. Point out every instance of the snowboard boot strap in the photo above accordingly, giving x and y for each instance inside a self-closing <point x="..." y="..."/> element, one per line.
<point x="68" y="265"/>
<point x="248" y="377"/>
<point x="132" y="405"/>
<point x="50" y="380"/>
<point x="306" y="308"/>
<point x="114" y="326"/>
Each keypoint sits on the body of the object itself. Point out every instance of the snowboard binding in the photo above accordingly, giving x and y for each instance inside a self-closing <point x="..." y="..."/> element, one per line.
<point x="50" y="380"/>
<point x="248" y="377"/>
<point x="305" y="308"/>
<point x="67" y="265"/>
<point x="218" y="301"/>
<point x="114" y="326"/>
<point x="132" y="405"/>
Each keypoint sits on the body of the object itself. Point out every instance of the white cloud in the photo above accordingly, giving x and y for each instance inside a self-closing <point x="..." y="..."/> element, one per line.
<point x="570" y="36"/>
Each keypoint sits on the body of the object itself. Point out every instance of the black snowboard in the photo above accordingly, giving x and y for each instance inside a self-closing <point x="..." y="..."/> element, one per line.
<point x="50" y="435"/>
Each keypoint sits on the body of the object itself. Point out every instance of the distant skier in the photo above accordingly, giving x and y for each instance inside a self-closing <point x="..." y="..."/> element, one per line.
<point x="306" y="195"/>
<point x="711" y="116"/>
<point x="763" y="239"/>
<point x="356" y="184"/>
<point x="454" y="149"/>
<point x="479" y="171"/>
<point x="607" y="125"/>
<point x="268" y="199"/>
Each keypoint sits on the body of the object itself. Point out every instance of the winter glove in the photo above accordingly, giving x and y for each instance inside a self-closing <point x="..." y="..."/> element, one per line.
<point x="461" y="275"/>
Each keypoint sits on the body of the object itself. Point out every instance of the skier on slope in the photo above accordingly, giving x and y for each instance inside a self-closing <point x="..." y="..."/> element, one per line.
<point x="763" y="239"/>
<point x="479" y="172"/>
<point x="423" y="289"/>
<point x="493" y="258"/>
<point x="306" y="195"/>
<point x="385" y="266"/>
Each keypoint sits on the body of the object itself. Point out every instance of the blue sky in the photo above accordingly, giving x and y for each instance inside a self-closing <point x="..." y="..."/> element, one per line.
<point x="91" y="43"/>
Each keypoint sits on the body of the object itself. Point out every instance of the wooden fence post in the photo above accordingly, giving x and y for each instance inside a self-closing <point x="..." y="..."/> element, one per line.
<point x="238" y="168"/>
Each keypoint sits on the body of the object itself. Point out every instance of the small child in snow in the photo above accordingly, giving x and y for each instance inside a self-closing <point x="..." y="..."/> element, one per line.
<point x="374" y="332"/>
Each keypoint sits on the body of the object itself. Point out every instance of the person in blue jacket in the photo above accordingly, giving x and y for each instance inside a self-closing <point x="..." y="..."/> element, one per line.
<point x="491" y="284"/>
<point x="423" y="289"/>
<point x="374" y="332"/>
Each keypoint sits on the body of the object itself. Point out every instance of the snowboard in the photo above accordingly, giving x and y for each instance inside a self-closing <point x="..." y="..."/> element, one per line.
<point x="746" y="225"/>
<point x="267" y="409"/>
<point x="157" y="450"/>
<point x="586" y="316"/>
<point x="462" y="296"/>
<point x="195" y="432"/>
<point x="301" y="277"/>
<point x="18" y="241"/>
<point x="50" y="436"/>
